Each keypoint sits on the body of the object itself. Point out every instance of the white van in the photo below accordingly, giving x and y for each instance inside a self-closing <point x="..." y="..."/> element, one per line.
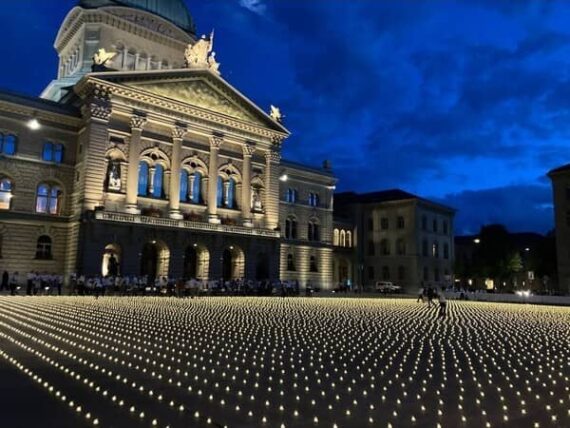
<point x="387" y="287"/>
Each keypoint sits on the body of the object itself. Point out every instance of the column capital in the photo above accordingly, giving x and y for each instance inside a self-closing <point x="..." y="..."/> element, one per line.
<point x="100" y="111"/>
<point x="272" y="156"/>
<point x="216" y="141"/>
<point x="248" y="149"/>
<point x="138" y="122"/>
<point x="179" y="131"/>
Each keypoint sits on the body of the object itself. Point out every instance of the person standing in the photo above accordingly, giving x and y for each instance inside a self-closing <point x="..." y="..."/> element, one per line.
<point x="430" y="296"/>
<point x="5" y="280"/>
<point x="13" y="283"/>
<point x="442" y="305"/>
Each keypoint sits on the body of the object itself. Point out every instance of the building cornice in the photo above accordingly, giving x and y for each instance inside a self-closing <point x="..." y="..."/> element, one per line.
<point x="44" y="116"/>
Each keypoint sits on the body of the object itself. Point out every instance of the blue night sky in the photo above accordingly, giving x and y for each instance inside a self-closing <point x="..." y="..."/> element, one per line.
<point x="463" y="102"/>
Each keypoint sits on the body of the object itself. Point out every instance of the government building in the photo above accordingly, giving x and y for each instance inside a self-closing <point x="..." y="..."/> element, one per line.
<point x="141" y="158"/>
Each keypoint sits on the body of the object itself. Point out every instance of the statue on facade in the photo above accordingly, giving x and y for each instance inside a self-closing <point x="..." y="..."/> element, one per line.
<point x="256" y="199"/>
<point x="101" y="58"/>
<point x="114" y="176"/>
<point x="275" y="114"/>
<point x="201" y="54"/>
<point x="113" y="266"/>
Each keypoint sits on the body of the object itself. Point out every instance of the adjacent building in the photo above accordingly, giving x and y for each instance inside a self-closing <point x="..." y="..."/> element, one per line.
<point x="141" y="159"/>
<point x="560" y="178"/>
<point x="394" y="236"/>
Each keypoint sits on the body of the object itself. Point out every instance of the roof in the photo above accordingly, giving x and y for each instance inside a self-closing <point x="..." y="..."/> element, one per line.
<point x="39" y="103"/>
<point x="174" y="11"/>
<point x="390" y="195"/>
<point x="563" y="168"/>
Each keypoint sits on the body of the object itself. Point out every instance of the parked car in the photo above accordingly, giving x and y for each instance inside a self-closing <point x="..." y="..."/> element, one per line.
<point x="387" y="287"/>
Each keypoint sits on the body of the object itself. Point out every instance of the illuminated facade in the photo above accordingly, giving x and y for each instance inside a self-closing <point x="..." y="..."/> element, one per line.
<point x="140" y="158"/>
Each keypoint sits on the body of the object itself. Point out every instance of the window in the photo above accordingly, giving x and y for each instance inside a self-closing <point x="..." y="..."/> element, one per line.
<point x="8" y="144"/>
<point x="371" y="249"/>
<point x="48" y="199"/>
<point x="400" y="247"/>
<point x="445" y="227"/>
<point x="291" y="195"/>
<point x="384" y="223"/>
<point x="342" y="238"/>
<point x="183" y="185"/>
<point x="446" y="251"/>
<point x="349" y="239"/>
<point x="5" y="193"/>
<point x="43" y="248"/>
<point x="291" y="228"/>
<point x="435" y="249"/>
<point x="401" y="273"/>
<point x="435" y="225"/>
<point x="401" y="222"/>
<point x="52" y="152"/>
<point x="424" y="222"/>
<point x="385" y="273"/>
<point x="426" y="274"/>
<point x="157" y="180"/>
<point x="424" y="248"/>
<point x="370" y="223"/>
<point x="313" y="199"/>
<point x="313" y="231"/>
<point x="143" y="178"/>
<point x="313" y="264"/>
<point x="226" y="192"/>
<point x="371" y="272"/>
<point x="290" y="262"/>
<point x="192" y="189"/>
<point x="385" y="247"/>
<point x="336" y="237"/>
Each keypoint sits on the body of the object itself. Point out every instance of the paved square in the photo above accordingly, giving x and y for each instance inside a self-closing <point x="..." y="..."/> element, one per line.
<point x="270" y="362"/>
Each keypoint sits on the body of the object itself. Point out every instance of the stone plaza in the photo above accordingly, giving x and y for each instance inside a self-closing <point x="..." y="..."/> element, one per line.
<point x="289" y="362"/>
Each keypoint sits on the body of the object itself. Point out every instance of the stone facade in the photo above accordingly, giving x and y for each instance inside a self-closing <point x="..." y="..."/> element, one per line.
<point x="170" y="171"/>
<point x="394" y="236"/>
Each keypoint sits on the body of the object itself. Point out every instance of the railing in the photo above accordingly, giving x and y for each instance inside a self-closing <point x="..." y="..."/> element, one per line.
<point x="183" y="224"/>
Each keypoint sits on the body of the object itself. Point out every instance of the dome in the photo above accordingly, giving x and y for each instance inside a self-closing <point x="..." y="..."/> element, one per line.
<point x="174" y="11"/>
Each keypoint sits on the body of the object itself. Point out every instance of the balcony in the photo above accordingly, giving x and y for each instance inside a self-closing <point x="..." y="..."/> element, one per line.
<point x="183" y="224"/>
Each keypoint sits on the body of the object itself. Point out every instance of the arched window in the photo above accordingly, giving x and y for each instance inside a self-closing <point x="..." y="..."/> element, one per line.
<point x="313" y="199"/>
<point x="157" y="181"/>
<point x="48" y="199"/>
<point x="313" y="264"/>
<point x="291" y="228"/>
<point x="195" y="187"/>
<point x="183" y="185"/>
<point x="291" y="195"/>
<point x="290" y="262"/>
<point x="143" y="178"/>
<point x="230" y="195"/>
<point x="5" y="193"/>
<point x="8" y="144"/>
<point x="349" y="239"/>
<point x="313" y="232"/>
<point x="43" y="248"/>
<point x="384" y="247"/>
<point x="342" y="238"/>
<point x="336" y="237"/>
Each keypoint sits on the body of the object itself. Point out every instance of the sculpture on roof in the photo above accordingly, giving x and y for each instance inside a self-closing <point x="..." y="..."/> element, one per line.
<point x="201" y="55"/>
<point x="101" y="57"/>
<point x="275" y="114"/>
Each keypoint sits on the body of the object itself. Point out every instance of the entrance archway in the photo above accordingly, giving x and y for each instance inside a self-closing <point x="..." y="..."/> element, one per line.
<point x="155" y="258"/>
<point x="262" y="266"/>
<point x="111" y="263"/>
<point x="233" y="263"/>
<point x="196" y="262"/>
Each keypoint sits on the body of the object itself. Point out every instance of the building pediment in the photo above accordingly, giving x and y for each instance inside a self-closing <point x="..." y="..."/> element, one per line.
<point x="199" y="88"/>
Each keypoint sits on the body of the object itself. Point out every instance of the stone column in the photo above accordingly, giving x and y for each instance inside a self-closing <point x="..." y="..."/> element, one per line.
<point x="272" y="158"/>
<point x="215" y="143"/>
<point x="248" y="150"/>
<point x="178" y="133"/>
<point x="137" y="124"/>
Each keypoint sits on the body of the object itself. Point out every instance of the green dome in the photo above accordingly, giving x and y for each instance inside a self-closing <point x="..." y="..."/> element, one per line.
<point x="174" y="11"/>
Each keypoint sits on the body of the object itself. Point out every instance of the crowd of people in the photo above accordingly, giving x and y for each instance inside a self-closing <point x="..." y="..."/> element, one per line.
<point x="33" y="283"/>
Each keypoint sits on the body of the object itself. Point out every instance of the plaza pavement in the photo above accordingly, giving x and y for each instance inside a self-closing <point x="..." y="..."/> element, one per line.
<point x="271" y="362"/>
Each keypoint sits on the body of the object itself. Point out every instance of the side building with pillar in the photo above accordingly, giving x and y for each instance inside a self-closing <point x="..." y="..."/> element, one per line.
<point x="151" y="168"/>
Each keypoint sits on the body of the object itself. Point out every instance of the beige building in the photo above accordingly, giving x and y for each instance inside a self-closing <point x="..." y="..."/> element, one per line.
<point x="561" y="195"/>
<point x="396" y="236"/>
<point x="141" y="153"/>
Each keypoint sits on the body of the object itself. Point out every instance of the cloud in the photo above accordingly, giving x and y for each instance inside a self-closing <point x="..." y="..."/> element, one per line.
<point x="255" y="6"/>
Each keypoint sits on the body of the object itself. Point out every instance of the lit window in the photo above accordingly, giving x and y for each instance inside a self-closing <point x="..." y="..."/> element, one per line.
<point x="435" y="249"/>
<point x="313" y="199"/>
<point x="336" y="239"/>
<point x="157" y="181"/>
<point x="291" y="195"/>
<point x="143" y="178"/>
<point x="8" y="144"/>
<point x="5" y="193"/>
<point x="48" y="199"/>
<point x="183" y="185"/>
<point x="43" y="248"/>
<point x="52" y="152"/>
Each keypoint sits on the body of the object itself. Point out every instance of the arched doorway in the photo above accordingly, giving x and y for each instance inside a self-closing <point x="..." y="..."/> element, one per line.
<point x="111" y="263"/>
<point x="233" y="263"/>
<point x="262" y="266"/>
<point x="155" y="259"/>
<point x="196" y="262"/>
